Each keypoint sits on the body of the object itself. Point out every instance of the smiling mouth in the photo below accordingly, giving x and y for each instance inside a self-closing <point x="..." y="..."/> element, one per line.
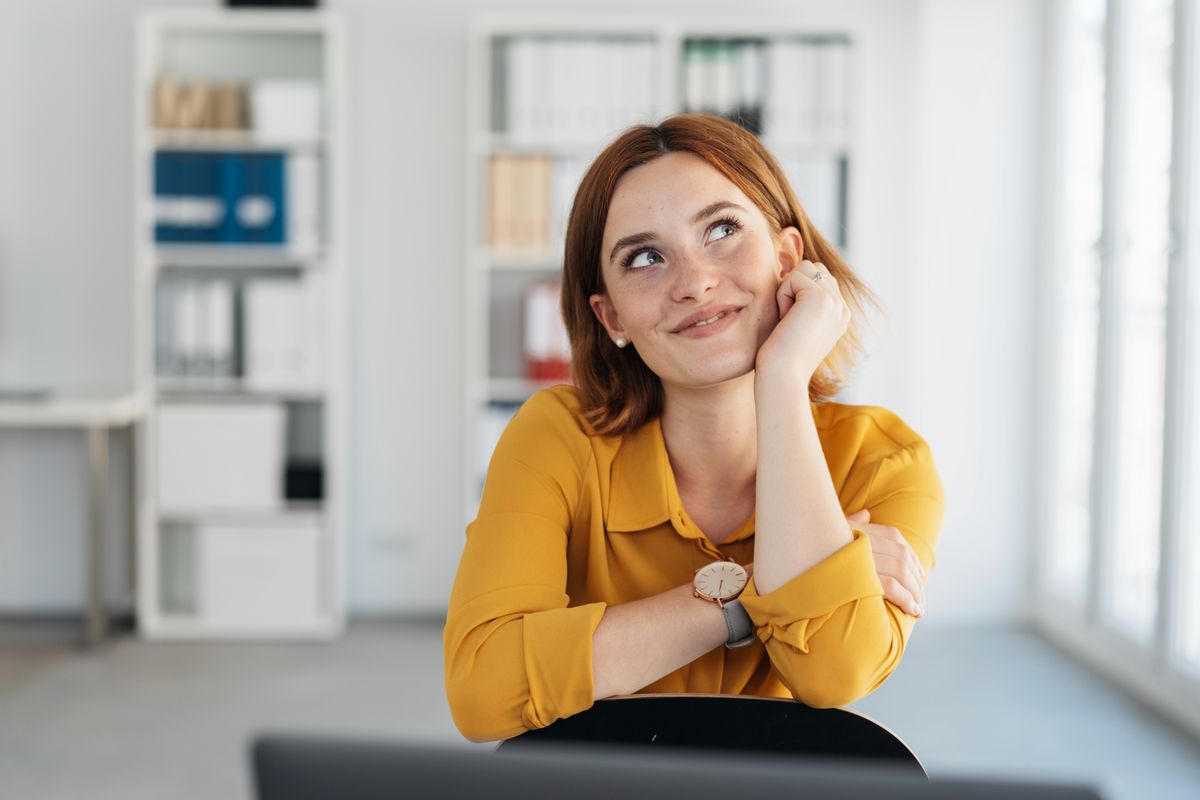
<point x="708" y="321"/>
<point x="718" y="314"/>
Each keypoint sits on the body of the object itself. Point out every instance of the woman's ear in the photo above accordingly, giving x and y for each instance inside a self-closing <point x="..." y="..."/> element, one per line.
<point x="607" y="315"/>
<point x="789" y="250"/>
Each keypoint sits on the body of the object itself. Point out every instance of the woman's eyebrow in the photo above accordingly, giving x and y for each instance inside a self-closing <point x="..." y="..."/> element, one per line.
<point x="648" y="236"/>
<point x="626" y="241"/>
<point x="713" y="208"/>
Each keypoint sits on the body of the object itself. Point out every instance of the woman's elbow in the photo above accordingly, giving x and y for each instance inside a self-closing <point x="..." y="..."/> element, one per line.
<point x="829" y="680"/>
<point x="829" y="695"/>
<point x="474" y="727"/>
<point x="477" y="713"/>
<point x="485" y="698"/>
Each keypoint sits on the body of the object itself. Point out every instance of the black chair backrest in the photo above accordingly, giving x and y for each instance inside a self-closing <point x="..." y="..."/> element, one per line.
<point x="728" y="723"/>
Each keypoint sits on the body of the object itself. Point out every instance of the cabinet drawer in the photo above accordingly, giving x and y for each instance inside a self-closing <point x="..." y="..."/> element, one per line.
<point x="216" y="457"/>
<point x="259" y="575"/>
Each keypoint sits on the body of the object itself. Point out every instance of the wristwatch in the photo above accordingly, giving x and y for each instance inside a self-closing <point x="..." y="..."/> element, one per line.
<point x="721" y="582"/>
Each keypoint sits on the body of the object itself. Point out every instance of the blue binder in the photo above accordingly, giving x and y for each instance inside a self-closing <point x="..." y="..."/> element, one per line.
<point x="229" y="180"/>
<point x="255" y="190"/>
<point x="230" y="198"/>
<point x="189" y="205"/>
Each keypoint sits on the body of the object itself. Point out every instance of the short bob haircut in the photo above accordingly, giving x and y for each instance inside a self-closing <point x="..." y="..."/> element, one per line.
<point x="618" y="393"/>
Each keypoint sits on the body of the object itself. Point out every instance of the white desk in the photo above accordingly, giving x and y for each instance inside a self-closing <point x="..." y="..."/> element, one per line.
<point x="95" y="416"/>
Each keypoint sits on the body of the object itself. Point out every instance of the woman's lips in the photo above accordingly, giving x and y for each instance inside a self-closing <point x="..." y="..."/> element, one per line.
<point x="703" y="330"/>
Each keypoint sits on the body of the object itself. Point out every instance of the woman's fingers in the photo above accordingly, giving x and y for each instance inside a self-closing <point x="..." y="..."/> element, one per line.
<point x="909" y="555"/>
<point x="895" y="562"/>
<point x="918" y="567"/>
<point x="898" y="595"/>
<point x="801" y="278"/>
<point x="885" y="532"/>
<point x="827" y="282"/>
<point x="897" y="568"/>
<point x="785" y="297"/>
<point x="812" y="320"/>
<point x="811" y="268"/>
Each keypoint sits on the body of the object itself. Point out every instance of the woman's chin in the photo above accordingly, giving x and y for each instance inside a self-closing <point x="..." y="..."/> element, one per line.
<point x="717" y="373"/>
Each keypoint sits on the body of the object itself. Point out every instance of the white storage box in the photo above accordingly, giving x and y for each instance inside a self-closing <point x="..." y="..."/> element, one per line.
<point x="286" y="109"/>
<point x="259" y="576"/>
<point x="220" y="457"/>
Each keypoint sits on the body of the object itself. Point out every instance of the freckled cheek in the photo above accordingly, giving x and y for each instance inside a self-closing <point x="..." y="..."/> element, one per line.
<point x="749" y="257"/>
<point x="767" y="311"/>
<point x="639" y="318"/>
<point x="737" y="250"/>
<point x="639" y="309"/>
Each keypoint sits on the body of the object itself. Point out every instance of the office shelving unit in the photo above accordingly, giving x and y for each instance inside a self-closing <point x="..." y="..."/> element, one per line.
<point x="223" y="553"/>
<point x="526" y="74"/>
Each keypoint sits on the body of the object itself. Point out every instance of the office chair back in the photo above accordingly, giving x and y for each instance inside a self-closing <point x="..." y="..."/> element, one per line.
<point x="762" y="725"/>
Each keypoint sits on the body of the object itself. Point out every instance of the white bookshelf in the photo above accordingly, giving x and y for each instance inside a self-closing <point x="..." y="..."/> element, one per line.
<point x="661" y="83"/>
<point x="226" y="550"/>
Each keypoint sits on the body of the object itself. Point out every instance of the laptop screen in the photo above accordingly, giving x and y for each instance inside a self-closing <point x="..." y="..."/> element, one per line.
<point x="315" y="768"/>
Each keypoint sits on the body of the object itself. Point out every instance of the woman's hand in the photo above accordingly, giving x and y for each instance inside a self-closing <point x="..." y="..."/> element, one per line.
<point x="812" y="318"/>
<point x="899" y="569"/>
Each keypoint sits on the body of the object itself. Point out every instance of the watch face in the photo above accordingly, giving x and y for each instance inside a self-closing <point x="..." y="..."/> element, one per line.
<point x="721" y="580"/>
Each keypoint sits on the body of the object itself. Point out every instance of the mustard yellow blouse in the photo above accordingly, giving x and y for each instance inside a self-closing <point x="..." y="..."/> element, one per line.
<point x="571" y="523"/>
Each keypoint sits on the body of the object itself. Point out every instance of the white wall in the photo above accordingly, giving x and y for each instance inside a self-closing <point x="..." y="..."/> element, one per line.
<point x="66" y="110"/>
<point x="943" y="217"/>
<point x="970" y="305"/>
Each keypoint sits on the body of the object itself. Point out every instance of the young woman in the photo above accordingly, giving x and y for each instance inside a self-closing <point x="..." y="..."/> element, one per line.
<point x="693" y="515"/>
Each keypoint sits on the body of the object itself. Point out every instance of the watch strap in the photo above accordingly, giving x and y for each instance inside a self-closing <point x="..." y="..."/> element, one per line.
<point x="739" y="624"/>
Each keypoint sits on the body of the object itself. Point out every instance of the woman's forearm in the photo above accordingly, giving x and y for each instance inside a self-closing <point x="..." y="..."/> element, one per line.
<point x="639" y="642"/>
<point x="799" y="521"/>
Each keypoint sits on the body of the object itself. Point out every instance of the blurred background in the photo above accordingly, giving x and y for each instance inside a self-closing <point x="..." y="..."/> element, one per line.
<point x="272" y="282"/>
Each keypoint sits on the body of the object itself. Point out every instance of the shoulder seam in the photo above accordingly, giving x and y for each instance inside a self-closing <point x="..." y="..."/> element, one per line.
<point x="556" y="392"/>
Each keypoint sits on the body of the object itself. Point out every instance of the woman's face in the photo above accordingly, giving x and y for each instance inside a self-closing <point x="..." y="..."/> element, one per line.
<point x="691" y="270"/>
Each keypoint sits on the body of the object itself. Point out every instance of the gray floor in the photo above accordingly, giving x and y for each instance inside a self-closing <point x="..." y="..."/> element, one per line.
<point x="138" y="720"/>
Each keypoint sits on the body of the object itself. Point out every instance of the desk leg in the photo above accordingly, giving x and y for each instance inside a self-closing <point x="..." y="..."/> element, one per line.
<point x="97" y="458"/>
<point x="134" y="522"/>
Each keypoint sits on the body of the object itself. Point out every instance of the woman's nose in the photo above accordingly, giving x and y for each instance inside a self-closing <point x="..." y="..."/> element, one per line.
<point x="694" y="277"/>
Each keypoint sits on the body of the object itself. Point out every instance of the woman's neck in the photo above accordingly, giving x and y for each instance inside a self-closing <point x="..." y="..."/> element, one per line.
<point x="711" y="437"/>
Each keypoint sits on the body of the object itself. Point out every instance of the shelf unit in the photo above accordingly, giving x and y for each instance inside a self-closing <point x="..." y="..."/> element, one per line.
<point x="686" y="66"/>
<point x="241" y="516"/>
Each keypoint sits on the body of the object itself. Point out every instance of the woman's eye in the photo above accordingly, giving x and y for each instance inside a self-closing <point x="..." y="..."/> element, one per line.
<point x="642" y="258"/>
<point x="723" y="231"/>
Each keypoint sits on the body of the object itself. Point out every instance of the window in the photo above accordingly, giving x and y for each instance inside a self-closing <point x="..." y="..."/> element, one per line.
<point x="1083" y="140"/>
<point x="1122" y="516"/>
<point x="1141" y="225"/>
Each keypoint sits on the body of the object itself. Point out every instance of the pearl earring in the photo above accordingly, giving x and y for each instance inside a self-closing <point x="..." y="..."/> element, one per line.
<point x="621" y="342"/>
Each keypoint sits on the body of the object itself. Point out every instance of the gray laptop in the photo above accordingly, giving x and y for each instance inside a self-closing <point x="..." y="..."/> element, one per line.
<point x="321" y="768"/>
